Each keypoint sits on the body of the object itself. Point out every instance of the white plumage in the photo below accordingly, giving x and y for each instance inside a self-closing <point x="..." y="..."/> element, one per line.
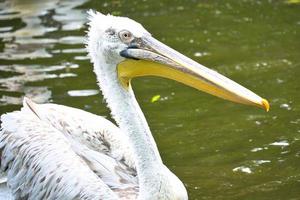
<point x="56" y="152"/>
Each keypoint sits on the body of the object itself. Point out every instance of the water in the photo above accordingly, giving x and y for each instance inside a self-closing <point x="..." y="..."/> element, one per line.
<point x="220" y="150"/>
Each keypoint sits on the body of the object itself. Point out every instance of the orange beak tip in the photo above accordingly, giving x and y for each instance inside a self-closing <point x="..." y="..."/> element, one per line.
<point x="266" y="105"/>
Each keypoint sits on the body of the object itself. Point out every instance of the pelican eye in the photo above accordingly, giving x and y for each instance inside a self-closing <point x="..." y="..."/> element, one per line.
<point x="125" y="36"/>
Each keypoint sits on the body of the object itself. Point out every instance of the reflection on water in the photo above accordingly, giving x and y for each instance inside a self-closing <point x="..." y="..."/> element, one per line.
<point x="26" y="24"/>
<point x="220" y="150"/>
<point x="82" y="93"/>
<point x="37" y="18"/>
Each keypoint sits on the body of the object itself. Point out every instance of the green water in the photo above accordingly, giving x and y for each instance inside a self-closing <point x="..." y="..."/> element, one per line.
<point x="220" y="150"/>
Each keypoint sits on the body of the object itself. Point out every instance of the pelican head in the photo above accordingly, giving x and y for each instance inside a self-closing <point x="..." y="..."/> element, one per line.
<point x="122" y="49"/>
<point x="127" y="45"/>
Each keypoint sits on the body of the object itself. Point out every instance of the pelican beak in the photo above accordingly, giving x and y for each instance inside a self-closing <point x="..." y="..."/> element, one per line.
<point x="147" y="56"/>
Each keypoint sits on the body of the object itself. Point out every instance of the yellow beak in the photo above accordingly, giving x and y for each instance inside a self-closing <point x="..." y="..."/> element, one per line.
<point x="147" y="56"/>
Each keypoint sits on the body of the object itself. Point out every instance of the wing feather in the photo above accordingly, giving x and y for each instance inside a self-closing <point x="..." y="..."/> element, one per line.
<point x="58" y="152"/>
<point x="95" y="139"/>
<point x="86" y="129"/>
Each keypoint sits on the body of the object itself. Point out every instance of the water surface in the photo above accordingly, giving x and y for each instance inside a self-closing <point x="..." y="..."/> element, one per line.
<point x="220" y="150"/>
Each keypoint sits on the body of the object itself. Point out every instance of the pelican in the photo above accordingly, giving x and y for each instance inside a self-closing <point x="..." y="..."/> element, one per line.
<point x="53" y="151"/>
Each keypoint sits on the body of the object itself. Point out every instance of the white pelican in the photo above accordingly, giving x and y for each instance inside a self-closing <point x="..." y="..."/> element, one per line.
<point x="52" y="151"/>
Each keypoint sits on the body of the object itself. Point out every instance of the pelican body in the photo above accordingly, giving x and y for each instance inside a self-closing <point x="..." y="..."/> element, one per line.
<point x="53" y="151"/>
